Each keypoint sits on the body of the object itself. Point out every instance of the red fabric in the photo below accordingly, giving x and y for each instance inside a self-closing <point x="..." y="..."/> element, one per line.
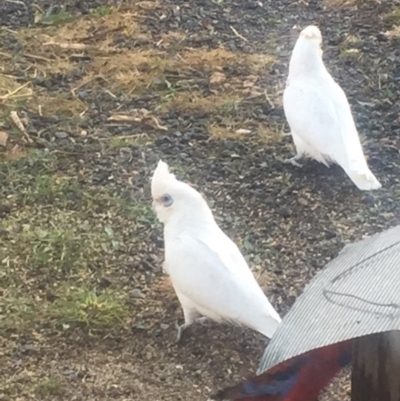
<point x="298" y="379"/>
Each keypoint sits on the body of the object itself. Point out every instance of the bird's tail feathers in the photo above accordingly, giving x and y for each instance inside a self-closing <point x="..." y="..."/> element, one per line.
<point x="355" y="164"/>
<point x="363" y="178"/>
<point x="270" y="324"/>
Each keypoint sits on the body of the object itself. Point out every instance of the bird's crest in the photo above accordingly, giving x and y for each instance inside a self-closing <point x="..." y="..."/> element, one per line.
<point x="162" y="178"/>
<point x="311" y="32"/>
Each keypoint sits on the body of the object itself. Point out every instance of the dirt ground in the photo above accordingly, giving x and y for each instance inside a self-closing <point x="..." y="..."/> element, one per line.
<point x="91" y="96"/>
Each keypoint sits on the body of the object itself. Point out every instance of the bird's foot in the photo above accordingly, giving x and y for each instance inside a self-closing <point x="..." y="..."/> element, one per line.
<point x="201" y="320"/>
<point x="293" y="161"/>
<point x="181" y="328"/>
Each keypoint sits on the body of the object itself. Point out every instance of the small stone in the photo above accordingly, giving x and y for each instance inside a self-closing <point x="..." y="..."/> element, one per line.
<point x="285" y="212"/>
<point x="61" y="135"/>
<point x="104" y="282"/>
<point x="136" y="293"/>
<point x="27" y="348"/>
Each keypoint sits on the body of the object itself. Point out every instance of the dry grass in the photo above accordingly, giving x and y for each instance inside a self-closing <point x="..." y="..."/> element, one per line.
<point x="64" y="105"/>
<point x="148" y="5"/>
<point x="130" y="71"/>
<point x="195" y="101"/>
<point x="217" y="59"/>
<point x="339" y="3"/>
<point x="393" y="33"/>
<point x="110" y="66"/>
<point x="172" y="38"/>
<point x="11" y="89"/>
<point x="228" y="128"/>
<point x="266" y="134"/>
<point x="15" y="153"/>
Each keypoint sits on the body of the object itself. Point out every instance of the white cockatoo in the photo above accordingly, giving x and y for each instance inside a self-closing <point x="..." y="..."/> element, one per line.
<point x="319" y="114"/>
<point x="210" y="276"/>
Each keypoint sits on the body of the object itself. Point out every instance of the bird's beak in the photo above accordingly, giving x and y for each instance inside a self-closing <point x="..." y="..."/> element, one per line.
<point x="156" y="203"/>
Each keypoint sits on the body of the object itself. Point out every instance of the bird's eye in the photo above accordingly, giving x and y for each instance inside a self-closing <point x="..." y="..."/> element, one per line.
<point x="167" y="200"/>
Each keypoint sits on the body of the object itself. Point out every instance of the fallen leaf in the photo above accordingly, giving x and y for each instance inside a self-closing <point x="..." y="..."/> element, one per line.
<point x="243" y="131"/>
<point x="120" y="117"/>
<point x="3" y="138"/>
<point x="217" y="78"/>
<point x="250" y="81"/>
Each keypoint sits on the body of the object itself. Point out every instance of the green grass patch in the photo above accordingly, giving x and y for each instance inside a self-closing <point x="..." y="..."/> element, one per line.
<point x="60" y="237"/>
<point x="83" y="307"/>
<point x="18" y="312"/>
<point x="53" y="16"/>
<point x="48" y="388"/>
<point x="101" y="11"/>
<point x="58" y="244"/>
<point x="393" y="17"/>
<point x="58" y="248"/>
<point x="68" y="307"/>
<point x="124" y="142"/>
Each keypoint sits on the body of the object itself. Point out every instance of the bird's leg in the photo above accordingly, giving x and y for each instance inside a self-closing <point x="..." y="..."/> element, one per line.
<point x="293" y="160"/>
<point x="190" y="317"/>
<point x="181" y="328"/>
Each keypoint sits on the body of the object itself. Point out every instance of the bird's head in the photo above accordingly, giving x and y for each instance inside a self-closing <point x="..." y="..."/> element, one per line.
<point x="311" y="32"/>
<point x="173" y="197"/>
<point x="312" y="36"/>
<point x="307" y="53"/>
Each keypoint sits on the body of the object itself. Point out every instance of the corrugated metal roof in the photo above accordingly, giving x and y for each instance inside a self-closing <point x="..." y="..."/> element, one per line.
<point x="357" y="294"/>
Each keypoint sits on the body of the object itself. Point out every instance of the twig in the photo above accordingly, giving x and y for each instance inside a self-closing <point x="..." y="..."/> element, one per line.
<point x="124" y="137"/>
<point x="74" y="46"/>
<point x="121" y="117"/>
<point x="38" y="8"/>
<point x="161" y="127"/>
<point x="9" y="30"/>
<point x="238" y="34"/>
<point x="268" y="99"/>
<point x="18" y="123"/>
<point x="85" y="82"/>
<point x="11" y="94"/>
<point x="17" y="2"/>
<point x="5" y="55"/>
<point x="36" y="57"/>
<point x="110" y="93"/>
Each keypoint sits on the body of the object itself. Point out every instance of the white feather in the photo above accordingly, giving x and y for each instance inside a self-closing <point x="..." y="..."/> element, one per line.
<point x="209" y="274"/>
<point x="319" y="114"/>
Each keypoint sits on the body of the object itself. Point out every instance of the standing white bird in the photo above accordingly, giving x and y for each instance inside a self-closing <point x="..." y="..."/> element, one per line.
<point x="210" y="276"/>
<point x="319" y="114"/>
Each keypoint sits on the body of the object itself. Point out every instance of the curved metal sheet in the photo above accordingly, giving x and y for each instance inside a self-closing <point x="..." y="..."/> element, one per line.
<point x="357" y="294"/>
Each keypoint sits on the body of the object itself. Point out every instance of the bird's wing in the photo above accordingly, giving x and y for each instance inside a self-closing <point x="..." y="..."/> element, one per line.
<point x="208" y="268"/>
<point x="318" y="112"/>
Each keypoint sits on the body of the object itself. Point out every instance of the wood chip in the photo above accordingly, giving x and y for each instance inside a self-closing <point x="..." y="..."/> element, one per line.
<point x="3" y="138"/>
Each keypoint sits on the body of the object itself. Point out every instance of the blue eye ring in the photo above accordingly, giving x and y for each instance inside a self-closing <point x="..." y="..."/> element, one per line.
<point x="167" y="200"/>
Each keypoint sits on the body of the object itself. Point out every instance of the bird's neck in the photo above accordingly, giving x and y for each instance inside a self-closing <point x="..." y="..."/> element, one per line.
<point x="306" y="60"/>
<point x="193" y="218"/>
